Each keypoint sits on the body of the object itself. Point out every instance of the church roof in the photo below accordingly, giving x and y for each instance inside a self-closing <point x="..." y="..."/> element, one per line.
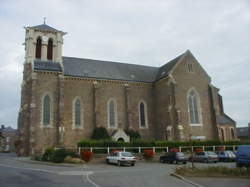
<point x="47" y="65"/>
<point x="108" y="70"/>
<point x="45" y="27"/>
<point x="224" y="119"/>
<point x="99" y="69"/>
<point x="166" y="68"/>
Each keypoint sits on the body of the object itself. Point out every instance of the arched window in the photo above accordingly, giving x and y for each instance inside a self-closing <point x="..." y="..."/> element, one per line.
<point x="232" y="133"/>
<point x="77" y="113"/>
<point x="112" y="114"/>
<point x="50" y="49"/>
<point x="193" y="107"/>
<point x="143" y="114"/>
<point x="46" y="110"/>
<point x="38" y="48"/>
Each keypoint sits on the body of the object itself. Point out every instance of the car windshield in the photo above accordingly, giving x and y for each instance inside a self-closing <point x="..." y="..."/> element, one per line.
<point x="211" y="153"/>
<point x="127" y="154"/>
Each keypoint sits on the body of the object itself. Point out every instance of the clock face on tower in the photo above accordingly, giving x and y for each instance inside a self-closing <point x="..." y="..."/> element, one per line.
<point x="45" y="38"/>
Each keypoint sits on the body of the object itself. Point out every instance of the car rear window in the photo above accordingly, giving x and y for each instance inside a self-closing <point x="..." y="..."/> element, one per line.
<point x="127" y="154"/>
<point x="211" y="153"/>
<point x="180" y="154"/>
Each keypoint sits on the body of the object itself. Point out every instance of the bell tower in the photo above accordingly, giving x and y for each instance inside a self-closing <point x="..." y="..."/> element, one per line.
<point x="43" y="43"/>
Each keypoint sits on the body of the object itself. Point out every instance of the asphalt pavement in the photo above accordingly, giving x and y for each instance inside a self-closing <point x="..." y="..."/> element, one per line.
<point x="21" y="172"/>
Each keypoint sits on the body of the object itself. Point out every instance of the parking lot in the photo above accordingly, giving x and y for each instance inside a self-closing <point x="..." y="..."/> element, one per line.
<point x="18" y="172"/>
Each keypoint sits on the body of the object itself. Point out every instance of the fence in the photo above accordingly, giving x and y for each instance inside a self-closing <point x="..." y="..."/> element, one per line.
<point x="158" y="149"/>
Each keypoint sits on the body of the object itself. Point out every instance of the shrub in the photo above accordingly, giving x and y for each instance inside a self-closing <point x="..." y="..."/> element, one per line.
<point x="48" y="154"/>
<point x="69" y="159"/>
<point x="100" y="133"/>
<point x="134" y="135"/>
<point x="86" y="155"/>
<point x="198" y="150"/>
<point x="59" y="155"/>
<point x="148" y="154"/>
<point x="175" y="150"/>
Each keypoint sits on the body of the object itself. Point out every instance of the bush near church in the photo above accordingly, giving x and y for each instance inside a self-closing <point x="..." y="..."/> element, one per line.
<point x="86" y="155"/>
<point x="148" y="154"/>
<point x="100" y="133"/>
<point x="57" y="155"/>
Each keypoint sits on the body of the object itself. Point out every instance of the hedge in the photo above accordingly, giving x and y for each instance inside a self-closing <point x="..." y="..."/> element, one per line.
<point x="153" y="143"/>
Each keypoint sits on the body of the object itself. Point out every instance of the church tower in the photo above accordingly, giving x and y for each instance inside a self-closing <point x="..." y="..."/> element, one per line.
<point x="43" y="43"/>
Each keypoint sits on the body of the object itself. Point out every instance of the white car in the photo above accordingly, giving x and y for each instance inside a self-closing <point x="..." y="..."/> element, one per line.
<point x="121" y="158"/>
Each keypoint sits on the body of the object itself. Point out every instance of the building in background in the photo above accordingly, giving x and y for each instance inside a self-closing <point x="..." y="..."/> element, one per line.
<point x="243" y="133"/>
<point x="8" y="138"/>
<point x="63" y="99"/>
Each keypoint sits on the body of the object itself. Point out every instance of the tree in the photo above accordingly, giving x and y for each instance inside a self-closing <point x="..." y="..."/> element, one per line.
<point x="100" y="133"/>
<point x="134" y="135"/>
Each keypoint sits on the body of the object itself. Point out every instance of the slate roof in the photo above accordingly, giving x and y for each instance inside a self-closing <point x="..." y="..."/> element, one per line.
<point x="80" y="67"/>
<point x="108" y="70"/>
<point x="166" y="68"/>
<point x="47" y="65"/>
<point x="44" y="27"/>
<point x="224" y="119"/>
<point x="243" y="131"/>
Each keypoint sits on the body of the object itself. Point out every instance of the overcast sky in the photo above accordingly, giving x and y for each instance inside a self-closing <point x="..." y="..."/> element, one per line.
<point x="147" y="32"/>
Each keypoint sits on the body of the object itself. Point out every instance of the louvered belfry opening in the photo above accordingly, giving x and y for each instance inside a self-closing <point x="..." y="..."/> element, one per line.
<point x="50" y="50"/>
<point x="38" y="48"/>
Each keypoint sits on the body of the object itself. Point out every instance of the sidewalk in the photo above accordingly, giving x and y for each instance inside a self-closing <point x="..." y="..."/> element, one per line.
<point x="220" y="182"/>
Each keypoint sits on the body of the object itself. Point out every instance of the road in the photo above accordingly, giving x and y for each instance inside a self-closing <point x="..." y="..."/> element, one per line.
<point x="21" y="172"/>
<point x="16" y="173"/>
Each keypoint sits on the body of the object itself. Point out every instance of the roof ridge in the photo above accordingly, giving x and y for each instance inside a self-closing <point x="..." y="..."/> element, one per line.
<point x="111" y="62"/>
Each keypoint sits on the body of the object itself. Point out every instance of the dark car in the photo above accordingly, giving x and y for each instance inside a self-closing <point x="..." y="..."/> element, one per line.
<point x="243" y="156"/>
<point x="173" y="157"/>
<point x="226" y="156"/>
<point x="205" y="156"/>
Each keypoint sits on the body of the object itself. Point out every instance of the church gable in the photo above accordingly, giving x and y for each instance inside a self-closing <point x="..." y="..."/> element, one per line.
<point x="188" y="66"/>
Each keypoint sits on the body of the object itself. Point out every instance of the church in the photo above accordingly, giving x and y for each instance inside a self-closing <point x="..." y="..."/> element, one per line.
<point x="63" y="99"/>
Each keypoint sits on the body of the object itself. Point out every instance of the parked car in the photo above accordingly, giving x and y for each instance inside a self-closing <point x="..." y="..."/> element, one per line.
<point x="243" y="156"/>
<point x="121" y="158"/>
<point x="205" y="156"/>
<point x="226" y="156"/>
<point x="173" y="157"/>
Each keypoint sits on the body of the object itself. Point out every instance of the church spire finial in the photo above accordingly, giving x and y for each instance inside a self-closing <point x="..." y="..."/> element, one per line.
<point x="44" y="20"/>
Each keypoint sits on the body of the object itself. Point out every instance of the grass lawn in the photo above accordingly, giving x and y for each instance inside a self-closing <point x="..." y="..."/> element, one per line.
<point x="213" y="171"/>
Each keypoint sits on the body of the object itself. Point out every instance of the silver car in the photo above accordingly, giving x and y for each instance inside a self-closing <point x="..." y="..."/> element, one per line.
<point x="121" y="158"/>
<point x="206" y="156"/>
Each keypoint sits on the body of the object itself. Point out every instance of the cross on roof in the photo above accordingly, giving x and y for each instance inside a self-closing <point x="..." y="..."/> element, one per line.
<point x="44" y="20"/>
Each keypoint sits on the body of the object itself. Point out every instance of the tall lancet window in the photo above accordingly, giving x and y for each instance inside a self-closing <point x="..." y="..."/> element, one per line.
<point x="112" y="113"/>
<point x="77" y="113"/>
<point x="46" y="110"/>
<point x="38" y="48"/>
<point x="194" y="107"/>
<point x="50" y="49"/>
<point x="143" y="117"/>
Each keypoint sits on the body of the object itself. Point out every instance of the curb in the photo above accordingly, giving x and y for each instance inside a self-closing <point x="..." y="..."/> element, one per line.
<point x="186" y="180"/>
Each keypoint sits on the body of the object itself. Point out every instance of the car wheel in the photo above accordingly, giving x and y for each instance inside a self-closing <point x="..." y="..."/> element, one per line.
<point x="119" y="163"/>
<point x="133" y="164"/>
<point x="107" y="161"/>
<point x="184" y="162"/>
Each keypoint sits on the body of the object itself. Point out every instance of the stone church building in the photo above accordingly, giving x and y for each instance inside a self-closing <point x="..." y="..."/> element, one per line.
<point x="63" y="99"/>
